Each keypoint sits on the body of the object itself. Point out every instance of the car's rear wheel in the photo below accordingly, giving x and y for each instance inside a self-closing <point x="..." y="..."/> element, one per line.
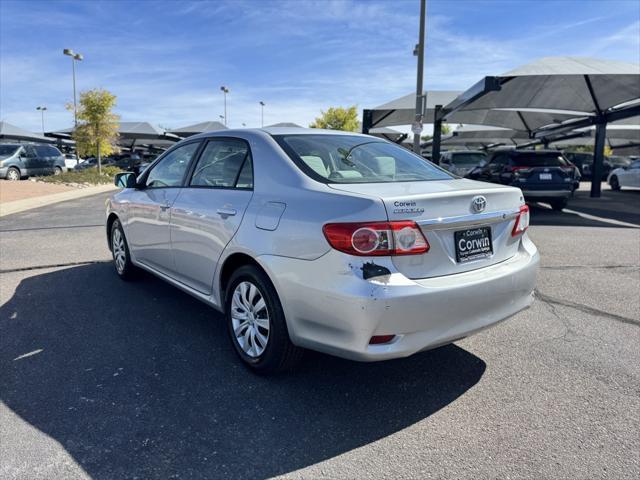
<point x="615" y="184"/>
<point x="558" y="205"/>
<point x="120" y="251"/>
<point x="256" y="322"/>
<point x="13" y="174"/>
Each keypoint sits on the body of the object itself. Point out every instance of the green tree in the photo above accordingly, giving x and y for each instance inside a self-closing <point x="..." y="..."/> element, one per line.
<point x="338" y="118"/>
<point x="97" y="130"/>
<point x="446" y="130"/>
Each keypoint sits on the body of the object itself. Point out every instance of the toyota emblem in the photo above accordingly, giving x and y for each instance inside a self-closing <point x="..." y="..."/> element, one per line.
<point x="479" y="203"/>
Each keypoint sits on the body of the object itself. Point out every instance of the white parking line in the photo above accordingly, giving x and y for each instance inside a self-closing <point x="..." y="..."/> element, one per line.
<point x="588" y="216"/>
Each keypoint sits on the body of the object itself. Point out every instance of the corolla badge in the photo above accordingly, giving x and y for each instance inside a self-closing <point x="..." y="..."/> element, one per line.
<point x="478" y="203"/>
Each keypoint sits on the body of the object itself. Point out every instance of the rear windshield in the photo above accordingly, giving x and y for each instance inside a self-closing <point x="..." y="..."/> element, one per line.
<point x="351" y="159"/>
<point x="553" y="159"/>
<point x="8" y="149"/>
<point x="470" y="159"/>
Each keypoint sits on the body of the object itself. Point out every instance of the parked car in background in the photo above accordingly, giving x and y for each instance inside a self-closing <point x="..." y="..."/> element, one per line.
<point x="71" y="160"/>
<point x="582" y="160"/>
<point x="92" y="162"/>
<point x="618" y="161"/>
<point x="542" y="175"/>
<point x="628" y="176"/>
<point x="269" y="225"/>
<point x="24" y="160"/>
<point x="462" y="162"/>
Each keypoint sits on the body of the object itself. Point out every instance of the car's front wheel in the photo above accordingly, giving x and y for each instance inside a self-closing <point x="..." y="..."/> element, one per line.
<point x="120" y="251"/>
<point x="615" y="184"/>
<point x="13" y="174"/>
<point x="256" y="322"/>
<point x="57" y="171"/>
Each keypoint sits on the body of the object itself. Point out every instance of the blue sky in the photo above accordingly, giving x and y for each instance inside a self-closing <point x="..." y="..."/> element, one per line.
<point x="166" y="60"/>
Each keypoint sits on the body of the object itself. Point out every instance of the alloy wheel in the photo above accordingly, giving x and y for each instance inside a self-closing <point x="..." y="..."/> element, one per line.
<point x="119" y="252"/>
<point x="250" y="319"/>
<point x="13" y="174"/>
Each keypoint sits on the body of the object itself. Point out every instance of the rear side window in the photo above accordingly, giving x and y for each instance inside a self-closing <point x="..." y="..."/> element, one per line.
<point x="224" y="163"/>
<point x="47" y="151"/>
<point x="353" y="159"/>
<point x="551" y="159"/>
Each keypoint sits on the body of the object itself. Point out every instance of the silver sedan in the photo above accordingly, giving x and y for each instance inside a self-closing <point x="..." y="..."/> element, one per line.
<point x="332" y="241"/>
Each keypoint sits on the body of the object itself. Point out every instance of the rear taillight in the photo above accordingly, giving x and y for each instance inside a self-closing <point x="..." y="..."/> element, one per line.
<point x="518" y="169"/>
<point x="568" y="168"/>
<point x="522" y="221"/>
<point x="376" y="238"/>
<point x="380" y="339"/>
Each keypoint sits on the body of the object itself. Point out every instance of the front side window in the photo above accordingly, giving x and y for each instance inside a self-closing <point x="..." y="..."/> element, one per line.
<point x="224" y="163"/>
<point x="170" y="171"/>
<point x="30" y="151"/>
<point x="353" y="159"/>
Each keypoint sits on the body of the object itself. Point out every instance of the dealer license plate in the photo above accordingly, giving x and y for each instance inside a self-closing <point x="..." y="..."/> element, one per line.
<point x="473" y="244"/>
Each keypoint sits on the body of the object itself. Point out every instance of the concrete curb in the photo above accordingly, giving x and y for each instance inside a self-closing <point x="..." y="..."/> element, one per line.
<point x="17" y="206"/>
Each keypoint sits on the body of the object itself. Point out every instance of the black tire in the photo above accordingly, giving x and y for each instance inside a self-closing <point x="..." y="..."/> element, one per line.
<point x="123" y="266"/>
<point x="13" y="174"/>
<point x="558" y="205"/>
<point x="615" y="184"/>
<point x="279" y="353"/>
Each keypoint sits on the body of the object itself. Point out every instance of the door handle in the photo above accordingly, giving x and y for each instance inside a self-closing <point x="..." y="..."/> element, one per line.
<point x="226" y="212"/>
<point x="164" y="207"/>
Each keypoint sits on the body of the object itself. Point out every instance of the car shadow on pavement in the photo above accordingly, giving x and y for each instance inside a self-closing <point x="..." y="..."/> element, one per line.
<point x="623" y="206"/>
<point x="140" y="380"/>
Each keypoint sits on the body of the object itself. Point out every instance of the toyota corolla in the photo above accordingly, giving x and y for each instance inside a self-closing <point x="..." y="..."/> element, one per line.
<point x="332" y="241"/>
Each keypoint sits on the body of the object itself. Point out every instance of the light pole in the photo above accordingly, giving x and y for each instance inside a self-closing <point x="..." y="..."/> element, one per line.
<point x="419" y="51"/>
<point x="42" y="109"/>
<point x="262" y="104"/>
<point x="74" y="56"/>
<point x="225" y="90"/>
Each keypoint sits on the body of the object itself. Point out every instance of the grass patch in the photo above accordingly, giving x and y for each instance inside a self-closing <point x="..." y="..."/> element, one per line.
<point x="88" y="176"/>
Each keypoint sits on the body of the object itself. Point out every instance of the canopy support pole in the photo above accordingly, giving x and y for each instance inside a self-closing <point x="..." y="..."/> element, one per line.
<point x="598" y="158"/>
<point x="419" y="92"/>
<point x="437" y="135"/>
<point x="367" y="121"/>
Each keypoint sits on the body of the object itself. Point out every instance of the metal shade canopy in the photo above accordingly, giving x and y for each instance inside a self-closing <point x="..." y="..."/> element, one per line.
<point x="402" y="111"/>
<point x="210" y="126"/>
<point x="522" y="120"/>
<point x="594" y="91"/>
<point x="563" y="83"/>
<point x="618" y="135"/>
<point x="132" y="133"/>
<point x="11" y="132"/>
<point x="388" y="134"/>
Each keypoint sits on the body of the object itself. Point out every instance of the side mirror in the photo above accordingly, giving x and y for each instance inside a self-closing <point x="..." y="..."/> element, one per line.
<point x="125" y="180"/>
<point x="482" y="164"/>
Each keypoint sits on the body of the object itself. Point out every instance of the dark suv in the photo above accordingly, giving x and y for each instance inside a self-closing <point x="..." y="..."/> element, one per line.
<point x="542" y="175"/>
<point x="20" y="161"/>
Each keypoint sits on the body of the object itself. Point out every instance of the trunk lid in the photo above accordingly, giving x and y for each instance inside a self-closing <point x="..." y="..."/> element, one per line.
<point x="442" y="208"/>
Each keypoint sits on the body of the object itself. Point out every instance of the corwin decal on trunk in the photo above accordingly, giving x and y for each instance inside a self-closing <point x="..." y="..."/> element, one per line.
<point x="409" y="207"/>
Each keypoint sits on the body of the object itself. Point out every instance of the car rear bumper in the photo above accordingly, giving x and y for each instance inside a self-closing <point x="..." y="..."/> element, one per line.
<point x="331" y="308"/>
<point x="536" y="194"/>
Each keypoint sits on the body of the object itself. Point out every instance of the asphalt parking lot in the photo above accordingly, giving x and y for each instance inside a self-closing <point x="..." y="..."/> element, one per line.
<point x="105" y="379"/>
